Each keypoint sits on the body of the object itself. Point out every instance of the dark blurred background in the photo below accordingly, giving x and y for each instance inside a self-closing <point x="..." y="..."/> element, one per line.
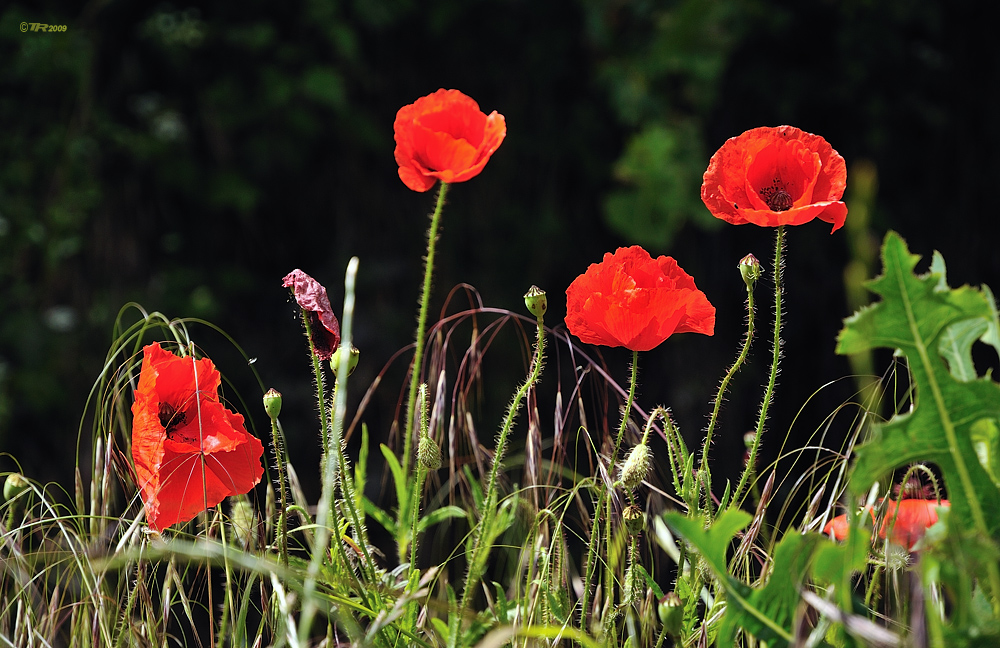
<point x="188" y="155"/>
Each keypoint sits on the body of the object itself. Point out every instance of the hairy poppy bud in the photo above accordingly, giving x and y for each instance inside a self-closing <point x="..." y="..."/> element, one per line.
<point x="634" y="519"/>
<point x="272" y="403"/>
<point x="14" y="486"/>
<point x="750" y="269"/>
<point x="536" y="301"/>
<point x="352" y="360"/>
<point x="428" y="453"/>
<point x="671" y="612"/>
<point x="636" y="466"/>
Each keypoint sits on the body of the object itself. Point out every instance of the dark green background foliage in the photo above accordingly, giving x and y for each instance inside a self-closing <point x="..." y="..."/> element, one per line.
<point x="187" y="156"/>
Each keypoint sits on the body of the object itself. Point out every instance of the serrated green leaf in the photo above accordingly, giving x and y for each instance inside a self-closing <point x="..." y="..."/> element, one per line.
<point x="955" y="347"/>
<point x="986" y="440"/>
<point x="913" y="316"/>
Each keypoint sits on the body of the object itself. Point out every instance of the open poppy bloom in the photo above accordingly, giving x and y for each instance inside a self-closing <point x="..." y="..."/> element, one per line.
<point x="444" y="136"/>
<point x="776" y="176"/>
<point x="190" y="451"/>
<point x="324" y="329"/>
<point x="906" y="520"/>
<point x="634" y="301"/>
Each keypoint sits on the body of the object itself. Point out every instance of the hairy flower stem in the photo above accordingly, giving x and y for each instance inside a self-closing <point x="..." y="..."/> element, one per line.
<point x="419" y="485"/>
<point x="279" y="457"/>
<point x="604" y="501"/>
<point x="326" y="511"/>
<point x="740" y="359"/>
<point x="750" y="468"/>
<point x="480" y="549"/>
<point x="418" y="353"/>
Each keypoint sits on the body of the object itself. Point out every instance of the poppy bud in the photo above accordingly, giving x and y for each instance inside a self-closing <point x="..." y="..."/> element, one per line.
<point x="634" y="519"/>
<point x="14" y="486"/>
<point x="536" y="301"/>
<point x="636" y="466"/>
<point x="671" y="612"/>
<point x="352" y="360"/>
<point x="428" y="453"/>
<point x="272" y="403"/>
<point x="750" y="269"/>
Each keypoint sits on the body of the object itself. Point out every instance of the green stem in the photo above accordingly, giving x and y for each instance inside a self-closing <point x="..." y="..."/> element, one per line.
<point x="477" y="557"/>
<point x="418" y="354"/>
<point x="750" y="468"/>
<point x="419" y="486"/>
<point x="326" y="510"/>
<point x="279" y="457"/>
<point x="609" y="589"/>
<point x="740" y="359"/>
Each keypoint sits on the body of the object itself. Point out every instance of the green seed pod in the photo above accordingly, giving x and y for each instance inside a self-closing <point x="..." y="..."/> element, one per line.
<point x="428" y="453"/>
<point x="634" y="519"/>
<point x="536" y="301"/>
<point x="272" y="403"/>
<point x="636" y="466"/>
<point x="352" y="361"/>
<point x="671" y="612"/>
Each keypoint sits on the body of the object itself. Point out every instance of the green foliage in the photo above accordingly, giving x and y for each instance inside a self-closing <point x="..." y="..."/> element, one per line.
<point x="934" y="326"/>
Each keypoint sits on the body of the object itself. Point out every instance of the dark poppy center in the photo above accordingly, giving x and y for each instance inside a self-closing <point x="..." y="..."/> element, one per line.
<point x="171" y="418"/>
<point x="776" y="197"/>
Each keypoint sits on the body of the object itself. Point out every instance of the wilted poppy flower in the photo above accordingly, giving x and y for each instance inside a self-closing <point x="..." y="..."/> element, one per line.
<point x="180" y="432"/>
<point x="632" y="300"/>
<point x="776" y="176"/>
<point x="444" y="136"/>
<point x="323" y="325"/>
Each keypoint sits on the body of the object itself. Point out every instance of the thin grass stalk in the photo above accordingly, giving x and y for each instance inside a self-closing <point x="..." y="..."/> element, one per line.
<point x="750" y="468"/>
<point x="326" y="508"/>
<point x="477" y="558"/>
<point x="723" y="386"/>
<point x="418" y="353"/>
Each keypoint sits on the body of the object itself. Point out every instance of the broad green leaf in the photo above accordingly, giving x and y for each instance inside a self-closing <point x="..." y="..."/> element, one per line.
<point x="914" y="316"/>
<point x="440" y="515"/>
<point x="765" y="612"/>
<point x="986" y="440"/>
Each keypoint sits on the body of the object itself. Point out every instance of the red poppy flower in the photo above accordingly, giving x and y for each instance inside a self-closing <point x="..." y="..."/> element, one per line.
<point x="444" y="136"/>
<point x="635" y="301"/>
<point x="323" y="325"/>
<point x="181" y="431"/>
<point x="908" y="519"/>
<point x="776" y="176"/>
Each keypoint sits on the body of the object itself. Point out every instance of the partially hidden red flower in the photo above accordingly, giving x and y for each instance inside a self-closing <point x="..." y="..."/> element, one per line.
<point x="323" y="325"/>
<point x="906" y="520"/>
<point x="444" y="136"/>
<point x="635" y="301"/>
<point x="182" y="432"/>
<point x="776" y="176"/>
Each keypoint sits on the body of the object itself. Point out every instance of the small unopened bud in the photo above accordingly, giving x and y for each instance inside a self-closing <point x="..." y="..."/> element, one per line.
<point x="750" y="269"/>
<point x="14" y="486"/>
<point x="671" y="612"/>
<point x="352" y="360"/>
<point x="634" y="519"/>
<point x="636" y="466"/>
<point x="536" y="301"/>
<point x="428" y="453"/>
<point x="272" y="403"/>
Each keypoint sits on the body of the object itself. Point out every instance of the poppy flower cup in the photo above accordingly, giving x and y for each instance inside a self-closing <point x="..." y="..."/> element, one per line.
<point x="776" y="176"/>
<point x="444" y="136"/>
<point x="634" y="301"/>
<point x="190" y="451"/>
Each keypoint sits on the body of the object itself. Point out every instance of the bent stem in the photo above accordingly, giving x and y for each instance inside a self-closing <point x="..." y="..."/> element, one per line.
<point x="477" y="559"/>
<point x="750" y="468"/>
<point x="418" y="353"/>
<point x="740" y="359"/>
